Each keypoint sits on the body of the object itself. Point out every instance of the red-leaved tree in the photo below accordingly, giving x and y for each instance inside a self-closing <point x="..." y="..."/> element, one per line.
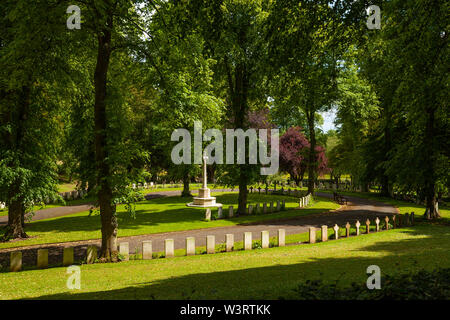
<point x="294" y="150"/>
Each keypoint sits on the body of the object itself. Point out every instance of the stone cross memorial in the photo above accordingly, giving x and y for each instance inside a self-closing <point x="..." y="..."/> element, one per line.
<point x="358" y="224"/>
<point x="336" y="231"/>
<point x="347" y="230"/>
<point x="204" y="199"/>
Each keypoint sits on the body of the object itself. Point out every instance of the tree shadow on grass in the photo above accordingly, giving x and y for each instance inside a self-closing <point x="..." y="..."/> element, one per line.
<point x="430" y="249"/>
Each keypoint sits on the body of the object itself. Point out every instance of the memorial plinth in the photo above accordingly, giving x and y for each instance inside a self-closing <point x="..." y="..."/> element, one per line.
<point x="204" y="199"/>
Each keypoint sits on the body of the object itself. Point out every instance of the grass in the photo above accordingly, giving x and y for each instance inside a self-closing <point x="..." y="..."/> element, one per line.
<point x="257" y="274"/>
<point x="155" y="216"/>
<point x="65" y="187"/>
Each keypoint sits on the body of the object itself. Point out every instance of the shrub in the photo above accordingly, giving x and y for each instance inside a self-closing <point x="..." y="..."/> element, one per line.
<point x="257" y="244"/>
<point x="422" y="285"/>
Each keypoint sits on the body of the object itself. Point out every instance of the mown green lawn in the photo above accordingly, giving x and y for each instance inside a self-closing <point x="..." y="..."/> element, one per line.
<point x="158" y="215"/>
<point x="65" y="187"/>
<point x="257" y="274"/>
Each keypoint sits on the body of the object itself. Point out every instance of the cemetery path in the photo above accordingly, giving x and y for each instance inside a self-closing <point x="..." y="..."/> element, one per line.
<point x="53" y="212"/>
<point x="357" y="209"/>
<point x="67" y="210"/>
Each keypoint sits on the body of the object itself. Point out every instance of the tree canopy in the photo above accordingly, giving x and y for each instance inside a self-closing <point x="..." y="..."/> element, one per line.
<point x="98" y="104"/>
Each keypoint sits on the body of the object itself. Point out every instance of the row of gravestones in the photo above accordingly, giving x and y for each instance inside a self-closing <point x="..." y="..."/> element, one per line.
<point x="69" y="195"/>
<point x="266" y="207"/>
<point x="169" y="244"/>
<point x="288" y="192"/>
<point x="304" y="201"/>
<point x="259" y="188"/>
<point x="143" y="185"/>
<point x="147" y="252"/>
<point x="396" y="221"/>
<point x="333" y="186"/>
<point x="408" y="198"/>
<point x="291" y="184"/>
<point x="152" y="185"/>
<point x="169" y="250"/>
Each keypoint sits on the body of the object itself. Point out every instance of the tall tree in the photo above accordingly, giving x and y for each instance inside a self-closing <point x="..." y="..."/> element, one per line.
<point x="114" y="24"/>
<point x="31" y="97"/>
<point x="181" y="72"/>
<point x="234" y="37"/>
<point x="306" y="40"/>
<point x="416" y="34"/>
<point x="357" y="112"/>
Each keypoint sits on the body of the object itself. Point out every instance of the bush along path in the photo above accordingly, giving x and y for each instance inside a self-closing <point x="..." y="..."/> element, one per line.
<point x="357" y="210"/>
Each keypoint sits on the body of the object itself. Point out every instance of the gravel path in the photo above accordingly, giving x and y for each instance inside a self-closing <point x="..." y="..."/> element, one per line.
<point x="357" y="209"/>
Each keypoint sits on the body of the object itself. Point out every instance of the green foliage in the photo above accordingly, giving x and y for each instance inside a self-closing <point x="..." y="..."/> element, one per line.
<point x="31" y="99"/>
<point x="357" y="110"/>
<point x="420" y="285"/>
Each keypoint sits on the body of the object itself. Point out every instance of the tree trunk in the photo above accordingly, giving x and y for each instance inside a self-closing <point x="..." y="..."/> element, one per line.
<point x="242" y="198"/>
<point x="105" y="197"/>
<point x="22" y="216"/>
<point x="365" y="187"/>
<point x="186" y="180"/>
<point x="239" y="103"/>
<point x="16" y="212"/>
<point x="109" y="224"/>
<point x="302" y="173"/>
<point x="14" y="229"/>
<point x="312" y="152"/>
<point x="432" y="210"/>
<point x="212" y="173"/>
<point x="385" y="186"/>
<point x="385" y="189"/>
